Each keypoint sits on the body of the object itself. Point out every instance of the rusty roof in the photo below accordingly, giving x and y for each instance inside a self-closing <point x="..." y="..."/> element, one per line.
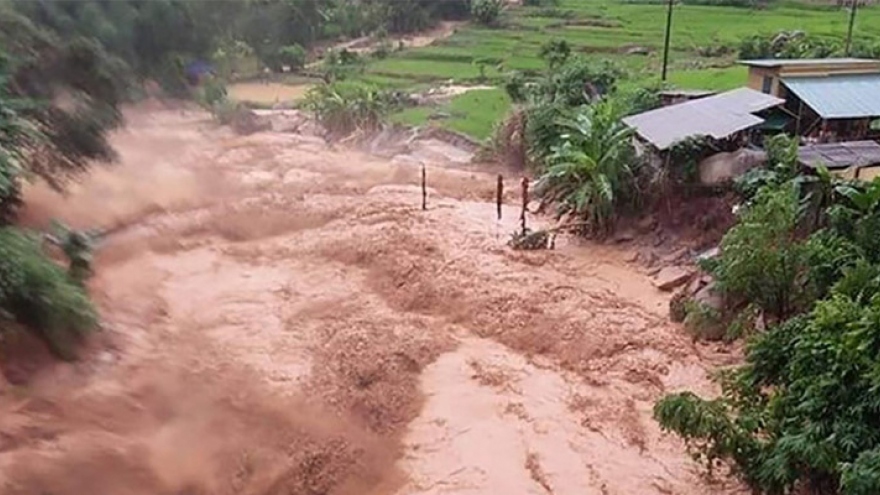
<point x="716" y="116"/>
<point x="840" y="155"/>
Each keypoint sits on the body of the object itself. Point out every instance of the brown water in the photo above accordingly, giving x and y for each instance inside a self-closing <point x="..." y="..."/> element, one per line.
<point x="268" y="93"/>
<point x="283" y="318"/>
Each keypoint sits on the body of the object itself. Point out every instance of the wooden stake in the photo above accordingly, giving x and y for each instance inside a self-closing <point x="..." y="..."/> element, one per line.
<point x="499" y="196"/>
<point x="525" y="203"/>
<point x="424" y="189"/>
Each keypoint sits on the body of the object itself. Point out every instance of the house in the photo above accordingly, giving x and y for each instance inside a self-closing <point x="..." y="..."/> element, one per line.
<point x="724" y="117"/>
<point x="851" y="160"/>
<point x="825" y="99"/>
<point x="676" y="96"/>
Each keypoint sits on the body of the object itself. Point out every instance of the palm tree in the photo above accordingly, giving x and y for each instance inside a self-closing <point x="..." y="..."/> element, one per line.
<point x="592" y="172"/>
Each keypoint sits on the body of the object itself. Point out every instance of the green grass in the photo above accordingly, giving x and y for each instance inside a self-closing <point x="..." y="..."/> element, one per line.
<point x="719" y="79"/>
<point x="474" y="113"/>
<point x="603" y="29"/>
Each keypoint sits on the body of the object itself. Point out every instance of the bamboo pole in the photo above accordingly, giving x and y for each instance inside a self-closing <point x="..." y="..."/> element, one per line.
<point x="525" y="203"/>
<point x="499" y="195"/>
<point x="424" y="188"/>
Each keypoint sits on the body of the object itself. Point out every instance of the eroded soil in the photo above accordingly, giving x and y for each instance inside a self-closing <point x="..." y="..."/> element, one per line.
<point x="282" y="318"/>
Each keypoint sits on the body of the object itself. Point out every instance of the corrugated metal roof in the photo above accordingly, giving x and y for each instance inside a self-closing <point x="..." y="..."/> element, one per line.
<point x="840" y="96"/>
<point x="687" y="92"/>
<point x="779" y="62"/>
<point x="840" y="155"/>
<point x="716" y="116"/>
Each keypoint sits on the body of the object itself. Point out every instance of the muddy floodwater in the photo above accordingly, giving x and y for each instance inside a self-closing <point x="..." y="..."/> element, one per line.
<point x="282" y="318"/>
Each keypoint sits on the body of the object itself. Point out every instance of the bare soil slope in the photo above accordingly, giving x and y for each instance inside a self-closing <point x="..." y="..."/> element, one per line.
<point x="282" y="318"/>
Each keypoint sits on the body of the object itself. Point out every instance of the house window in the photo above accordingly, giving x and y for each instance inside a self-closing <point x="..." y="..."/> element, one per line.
<point x="767" y="85"/>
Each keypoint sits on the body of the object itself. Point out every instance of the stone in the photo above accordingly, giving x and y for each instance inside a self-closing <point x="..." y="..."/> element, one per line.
<point x="624" y="236"/>
<point x="646" y="225"/>
<point x="245" y="121"/>
<point x="710" y="297"/>
<point x="709" y="253"/>
<point x="723" y="167"/>
<point x="637" y="50"/>
<point x="671" y="277"/>
<point x="658" y="240"/>
<point x="676" y="255"/>
<point x="631" y="257"/>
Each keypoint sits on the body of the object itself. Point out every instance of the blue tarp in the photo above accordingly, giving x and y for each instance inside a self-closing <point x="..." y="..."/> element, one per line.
<point x="198" y="69"/>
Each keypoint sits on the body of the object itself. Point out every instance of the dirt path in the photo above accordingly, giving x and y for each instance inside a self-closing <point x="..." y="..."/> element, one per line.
<point x="283" y="319"/>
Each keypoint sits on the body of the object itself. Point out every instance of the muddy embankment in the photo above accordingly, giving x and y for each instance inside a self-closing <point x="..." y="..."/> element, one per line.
<point x="282" y="318"/>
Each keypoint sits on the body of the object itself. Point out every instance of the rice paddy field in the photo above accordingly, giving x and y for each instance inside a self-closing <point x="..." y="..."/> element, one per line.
<point x="630" y="32"/>
<point x="615" y="29"/>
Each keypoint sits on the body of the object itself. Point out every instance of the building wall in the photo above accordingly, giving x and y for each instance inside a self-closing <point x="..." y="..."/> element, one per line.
<point x="757" y="75"/>
<point x="868" y="174"/>
<point x="826" y="69"/>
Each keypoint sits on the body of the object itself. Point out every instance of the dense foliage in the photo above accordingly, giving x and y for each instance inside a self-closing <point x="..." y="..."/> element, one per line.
<point x="59" y="96"/>
<point x="487" y="12"/>
<point x="346" y="107"/>
<point x="591" y="173"/>
<point x="157" y="39"/>
<point x="38" y="294"/>
<point x="803" y="413"/>
<point x="799" y="44"/>
<point x="57" y="101"/>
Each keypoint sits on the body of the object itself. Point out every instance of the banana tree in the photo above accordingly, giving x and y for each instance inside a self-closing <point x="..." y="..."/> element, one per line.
<point x="591" y="173"/>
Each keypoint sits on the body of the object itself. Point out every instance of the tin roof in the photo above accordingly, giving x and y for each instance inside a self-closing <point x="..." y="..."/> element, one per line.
<point x="716" y="116"/>
<point x="839" y="97"/>
<point x="687" y="92"/>
<point x="829" y="62"/>
<point x="840" y="155"/>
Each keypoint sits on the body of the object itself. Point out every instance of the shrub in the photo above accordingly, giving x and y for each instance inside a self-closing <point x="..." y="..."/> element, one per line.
<point x="11" y="172"/>
<point x="541" y="3"/>
<point x="487" y="12"/>
<point x="39" y="294"/>
<point x="343" y="108"/>
<point x="704" y="322"/>
<point x="802" y="411"/>
<point x="212" y="93"/>
<point x="544" y="126"/>
<point x="580" y="81"/>
<point x="515" y="87"/>
<point x="762" y="261"/>
<point x="555" y="52"/>
<point x="293" y="56"/>
<point x="383" y="50"/>
<point x="793" y="45"/>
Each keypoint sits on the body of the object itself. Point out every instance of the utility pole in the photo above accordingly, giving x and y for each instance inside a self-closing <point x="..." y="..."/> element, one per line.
<point x="852" y="22"/>
<point x="666" y="41"/>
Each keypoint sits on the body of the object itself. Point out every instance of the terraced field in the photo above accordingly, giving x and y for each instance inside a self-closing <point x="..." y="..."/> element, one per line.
<point x="611" y="29"/>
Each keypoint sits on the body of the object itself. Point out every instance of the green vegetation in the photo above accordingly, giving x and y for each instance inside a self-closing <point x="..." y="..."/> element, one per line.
<point x="59" y="96"/>
<point x="590" y="175"/>
<point x="802" y="412"/>
<point x="474" y="113"/>
<point x="487" y="12"/>
<point x="345" y="107"/>
<point x="604" y="29"/>
<point x="706" y="41"/>
<point x="39" y="295"/>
